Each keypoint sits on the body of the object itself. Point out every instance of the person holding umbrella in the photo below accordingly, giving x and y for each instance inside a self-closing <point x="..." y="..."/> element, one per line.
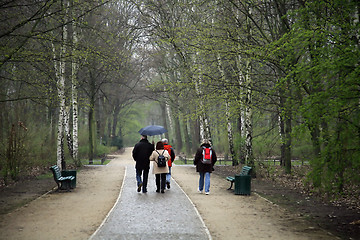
<point x="141" y="154"/>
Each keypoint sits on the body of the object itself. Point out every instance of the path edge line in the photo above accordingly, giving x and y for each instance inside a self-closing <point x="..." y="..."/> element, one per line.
<point x="113" y="207"/>
<point x="197" y="212"/>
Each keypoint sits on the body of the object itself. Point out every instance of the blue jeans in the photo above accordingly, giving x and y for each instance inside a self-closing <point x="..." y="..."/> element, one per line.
<point x="145" y="174"/>
<point x="168" y="175"/>
<point x="206" y="176"/>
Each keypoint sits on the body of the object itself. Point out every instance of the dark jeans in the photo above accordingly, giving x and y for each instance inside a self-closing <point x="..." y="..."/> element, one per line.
<point x="160" y="181"/>
<point x="145" y="174"/>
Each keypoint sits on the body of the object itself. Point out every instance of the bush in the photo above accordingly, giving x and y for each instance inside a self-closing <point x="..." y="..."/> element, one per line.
<point x="117" y="142"/>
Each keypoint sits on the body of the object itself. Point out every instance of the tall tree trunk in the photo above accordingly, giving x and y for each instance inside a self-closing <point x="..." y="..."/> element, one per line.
<point x="282" y="130"/>
<point x="115" y="117"/>
<point x="186" y="136"/>
<point x="164" y="118"/>
<point x="74" y="98"/>
<point x="91" y="133"/>
<point x="91" y="119"/>
<point x="288" y="129"/>
<point x="169" y="117"/>
<point x="249" y="158"/>
<point x="75" y="123"/>
<point x="60" y="75"/>
<point x="227" y="113"/>
<point x="195" y="136"/>
<point x="68" y="132"/>
<point x="178" y="138"/>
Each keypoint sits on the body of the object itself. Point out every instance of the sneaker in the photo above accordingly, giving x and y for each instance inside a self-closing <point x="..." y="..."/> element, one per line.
<point x="144" y="190"/>
<point x="199" y="191"/>
<point x="168" y="185"/>
<point x="139" y="187"/>
<point x="207" y="193"/>
<point x="162" y="191"/>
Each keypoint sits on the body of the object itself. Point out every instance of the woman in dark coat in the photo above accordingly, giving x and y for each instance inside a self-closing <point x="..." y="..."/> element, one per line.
<point x="203" y="168"/>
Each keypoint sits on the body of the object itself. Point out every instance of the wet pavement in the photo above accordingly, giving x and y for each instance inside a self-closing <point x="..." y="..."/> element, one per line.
<point x="169" y="215"/>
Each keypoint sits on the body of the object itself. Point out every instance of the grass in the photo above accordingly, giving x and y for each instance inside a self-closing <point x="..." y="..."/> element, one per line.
<point x="277" y="163"/>
<point x="191" y="162"/>
<point x="229" y="162"/>
<point x="95" y="162"/>
<point x="45" y="176"/>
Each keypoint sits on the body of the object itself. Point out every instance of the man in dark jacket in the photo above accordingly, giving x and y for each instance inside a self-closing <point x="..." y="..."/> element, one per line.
<point x="141" y="154"/>
<point x="203" y="167"/>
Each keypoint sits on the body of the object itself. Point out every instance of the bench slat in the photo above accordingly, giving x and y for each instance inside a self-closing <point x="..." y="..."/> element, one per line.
<point x="231" y="179"/>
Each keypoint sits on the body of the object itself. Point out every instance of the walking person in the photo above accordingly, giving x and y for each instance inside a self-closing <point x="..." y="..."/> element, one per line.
<point x="205" y="159"/>
<point x="160" y="172"/>
<point x="171" y="152"/>
<point x="141" y="154"/>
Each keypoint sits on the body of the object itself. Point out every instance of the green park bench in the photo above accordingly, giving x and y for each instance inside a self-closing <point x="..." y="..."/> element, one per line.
<point x="242" y="181"/>
<point x="63" y="182"/>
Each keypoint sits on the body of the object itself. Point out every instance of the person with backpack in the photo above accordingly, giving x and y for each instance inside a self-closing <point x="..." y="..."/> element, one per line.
<point x="141" y="154"/>
<point x="160" y="157"/>
<point x="172" y="158"/>
<point x="205" y="159"/>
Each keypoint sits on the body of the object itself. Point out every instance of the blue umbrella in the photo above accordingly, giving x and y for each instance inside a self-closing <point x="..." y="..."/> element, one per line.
<point x="152" y="130"/>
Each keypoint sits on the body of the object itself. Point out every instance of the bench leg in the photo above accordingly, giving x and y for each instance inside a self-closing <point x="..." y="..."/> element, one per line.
<point x="65" y="185"/>
<point x="230" y="186"/>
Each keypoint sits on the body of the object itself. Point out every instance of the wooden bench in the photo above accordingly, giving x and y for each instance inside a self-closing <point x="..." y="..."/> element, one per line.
<point x="64" y="183"/>
<point x="246" y="170"/>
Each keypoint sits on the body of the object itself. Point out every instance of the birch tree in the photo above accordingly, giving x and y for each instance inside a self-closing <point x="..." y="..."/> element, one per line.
<point x="60" y="67"/>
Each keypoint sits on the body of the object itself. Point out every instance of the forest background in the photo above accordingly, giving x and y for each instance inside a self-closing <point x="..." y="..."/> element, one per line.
<point x="263" y="80"/>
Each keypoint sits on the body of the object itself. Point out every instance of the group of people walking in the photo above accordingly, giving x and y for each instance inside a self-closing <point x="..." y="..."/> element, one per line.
<point x="144" y="152"/>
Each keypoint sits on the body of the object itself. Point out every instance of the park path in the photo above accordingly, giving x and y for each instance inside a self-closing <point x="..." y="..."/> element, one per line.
<point x="152" y="215"/>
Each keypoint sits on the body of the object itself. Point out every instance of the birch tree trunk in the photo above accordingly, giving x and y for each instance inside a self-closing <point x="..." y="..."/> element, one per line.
<point x="60" y="75"/>
<point x="203" y="120"/>
<point x="186" y="136"/>
<point x="61" y="99"/>
<point x="67" y="130"/>
<point x="164" y="118"/>
<point x="178" y="137"/>
<point x="249" y="158"/>
<point x="74" y="100"/>
<point x="228" y="114"/>
<point x="168" y="114"/>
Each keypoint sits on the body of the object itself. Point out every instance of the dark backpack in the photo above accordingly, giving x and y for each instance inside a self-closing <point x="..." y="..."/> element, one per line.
<point x="207" y="155"/>
<point x="161" y="161"/>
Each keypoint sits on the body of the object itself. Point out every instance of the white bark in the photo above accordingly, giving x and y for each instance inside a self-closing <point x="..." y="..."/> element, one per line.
<point x="67" y="130"/>
<point x="248" y="117"/>
<point x="74" y="97"/>
<point x="168" y="113"/>
<point x="227" y="112"/>
<point x="61" y="98"/>
<point x="60" y="75"/>
<point x="205" y="133"/>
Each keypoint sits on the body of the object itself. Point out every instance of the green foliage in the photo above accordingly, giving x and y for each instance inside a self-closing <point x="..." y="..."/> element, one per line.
<point x="325" y="74"/>
<point x="117" y="142"/>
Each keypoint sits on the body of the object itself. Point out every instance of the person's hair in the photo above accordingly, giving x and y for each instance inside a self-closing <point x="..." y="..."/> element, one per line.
<point x="159" y="145"/>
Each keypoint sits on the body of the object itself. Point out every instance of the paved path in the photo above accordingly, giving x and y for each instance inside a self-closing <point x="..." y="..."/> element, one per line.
<point x="153" y="215"/>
